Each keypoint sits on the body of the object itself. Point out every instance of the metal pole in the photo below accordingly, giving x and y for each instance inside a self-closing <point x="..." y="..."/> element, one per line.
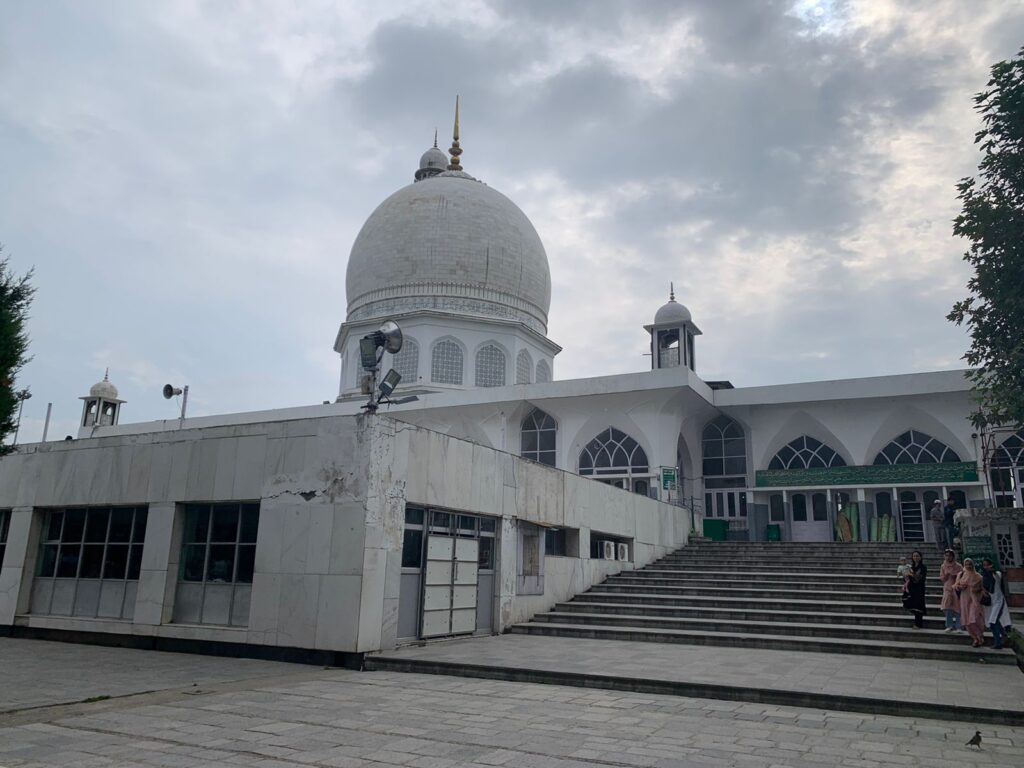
<point x="184" y="401"/>
<point x="46" y="424"/>
<point x="23" y="395"/>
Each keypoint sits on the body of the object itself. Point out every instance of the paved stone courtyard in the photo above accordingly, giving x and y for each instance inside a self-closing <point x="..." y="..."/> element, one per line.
<point x="272" y="715"/>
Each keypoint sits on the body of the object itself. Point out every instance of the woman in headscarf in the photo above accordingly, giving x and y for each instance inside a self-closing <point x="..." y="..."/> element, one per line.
<point x="913" y="598"/>
<point x="950" y="602"/>
<point x="998" y="615"/>
<point x="972" y="612"/>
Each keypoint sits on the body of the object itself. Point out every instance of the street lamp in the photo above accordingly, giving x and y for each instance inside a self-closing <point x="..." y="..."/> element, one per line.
<point x="21" y="395"/>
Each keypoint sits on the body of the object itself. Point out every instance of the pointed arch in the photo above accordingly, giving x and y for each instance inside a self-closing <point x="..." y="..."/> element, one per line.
<point x="806" y="453"/>
<point x="447" y="360"/>
<point x="800" y="423"/>
<point x="1010" y="452"/>
<point x="724" y="448"/>
<point x="524" y="367"/>
<point x="537" y="437"/>
<point x="613" y="452"/>
<point x="543" y="372"/>
<point x="915" y="447"/>
<point x="913" y="417"/>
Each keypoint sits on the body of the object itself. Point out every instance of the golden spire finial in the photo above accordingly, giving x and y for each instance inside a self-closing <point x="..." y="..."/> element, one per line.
<point x="455" y="150"/>
<point x="671" y="292"/>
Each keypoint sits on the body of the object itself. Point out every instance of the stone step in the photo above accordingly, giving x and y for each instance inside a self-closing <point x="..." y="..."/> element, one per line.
<point x="770" y="641"/>
<point x="791" y="561"/>
<point x="903" y="634"/>
<point x="701" y="602"/>
<point x="778" y="583"/>
<point x="748" y="613"/>
<point x="784" y="592"/>
<point x="887" y="579"/>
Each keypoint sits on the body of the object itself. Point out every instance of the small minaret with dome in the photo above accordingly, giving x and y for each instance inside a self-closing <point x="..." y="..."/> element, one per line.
<point x="101" y="407"/>
<point x="672" y="335"/>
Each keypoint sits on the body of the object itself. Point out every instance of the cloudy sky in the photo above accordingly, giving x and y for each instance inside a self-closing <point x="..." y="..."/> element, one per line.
<point x="187" y="178"/>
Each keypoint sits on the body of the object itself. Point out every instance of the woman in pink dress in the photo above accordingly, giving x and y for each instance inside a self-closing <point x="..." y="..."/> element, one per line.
<point x="972" y="612"/>
<point x="950" y="604"/>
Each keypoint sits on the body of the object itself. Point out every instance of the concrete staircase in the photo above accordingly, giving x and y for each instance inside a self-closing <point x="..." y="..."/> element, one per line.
<point x="827" y="598"/>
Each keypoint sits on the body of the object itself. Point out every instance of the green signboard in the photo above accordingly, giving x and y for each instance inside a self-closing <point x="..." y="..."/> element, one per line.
<point x="978" y="547"/>
<point x="668" y="477"/>
<point x="875" y="474"/>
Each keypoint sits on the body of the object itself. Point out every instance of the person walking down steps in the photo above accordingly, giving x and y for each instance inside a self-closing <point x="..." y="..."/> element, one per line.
<point x="950" y="602"/>
<point x="913" y="599"/>
<point x="998" y="614"/>
<point x="972" y="613"/>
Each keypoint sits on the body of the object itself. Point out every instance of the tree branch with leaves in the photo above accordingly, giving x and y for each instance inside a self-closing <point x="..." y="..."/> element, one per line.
<point x="15" y="298"/>
<point x="992" y="220"/>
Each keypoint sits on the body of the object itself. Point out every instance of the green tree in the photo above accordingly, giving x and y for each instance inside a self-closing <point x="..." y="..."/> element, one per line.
<point x="15" y="298"/>
<point x="992" y="219"/>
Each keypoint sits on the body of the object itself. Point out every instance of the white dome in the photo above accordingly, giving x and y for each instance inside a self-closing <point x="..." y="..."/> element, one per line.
<point x="672" y="312"/>
<point x="451" y="243"/>
<point x="103" y="389"/>
<point x="434" y="158"/>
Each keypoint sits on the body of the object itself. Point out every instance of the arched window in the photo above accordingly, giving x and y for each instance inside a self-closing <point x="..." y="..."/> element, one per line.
<point x="543" y="371"/>
<point x="537" y="437"/>
<point x="724" y="448"/>
<point x="490" y="366"/>
<point x="446" y="363"/>
<point x="1006" y="471"/>
<point x="804" y="453"/>
<point x="613" y="453"/>
<point x="914" y="447"/>
<point x="407" y="361"/>
<point x="524" y="366"/>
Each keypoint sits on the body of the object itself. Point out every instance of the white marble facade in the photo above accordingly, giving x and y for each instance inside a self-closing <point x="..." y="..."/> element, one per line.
<point x="332" y="492"/>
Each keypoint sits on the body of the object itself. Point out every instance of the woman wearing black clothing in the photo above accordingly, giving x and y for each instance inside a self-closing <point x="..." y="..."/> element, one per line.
<point x="913" y="601"/>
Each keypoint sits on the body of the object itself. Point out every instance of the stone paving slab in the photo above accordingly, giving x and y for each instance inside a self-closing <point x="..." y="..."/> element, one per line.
<point x="968" y="685"/>
<point x="340" y="718"/>
<point x="36" y="673"/>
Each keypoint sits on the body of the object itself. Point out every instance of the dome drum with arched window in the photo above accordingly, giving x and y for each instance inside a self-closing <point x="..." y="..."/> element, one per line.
<point x="449" y="257"/>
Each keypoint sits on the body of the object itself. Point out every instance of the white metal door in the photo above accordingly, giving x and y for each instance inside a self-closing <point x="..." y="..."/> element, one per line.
<point x="810" y="517"/>
<point x="449" y="586"/>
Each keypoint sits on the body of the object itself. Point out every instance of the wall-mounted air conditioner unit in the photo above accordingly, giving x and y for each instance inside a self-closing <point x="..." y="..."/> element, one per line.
<point x="608" y="550"/>
<point x="623" y="552"/>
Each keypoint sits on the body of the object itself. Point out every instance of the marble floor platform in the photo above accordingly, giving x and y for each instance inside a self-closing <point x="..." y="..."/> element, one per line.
<point x="882" y="680"/>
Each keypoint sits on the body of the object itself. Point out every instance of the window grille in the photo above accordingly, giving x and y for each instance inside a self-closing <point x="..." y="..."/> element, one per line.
<point x="524" y="365"/>
<point x="490" y="367"/>
<point x="537" y="437"/>
<point x="407" y="361"/>
<point x="446" y="363"/>
<point x="914" y="447"/>
<point x="806" y="453"/>
<point x="543" y="372"/>
<point x="613" y="452"/>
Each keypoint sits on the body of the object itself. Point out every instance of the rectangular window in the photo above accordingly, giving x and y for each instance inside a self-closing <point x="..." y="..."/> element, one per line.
<point x="776" y="509"/>
<point x="89" y="562"/>
<point x="218" y="558"/>
<point x="554" y="542"/>
<point x="5" y="524"/>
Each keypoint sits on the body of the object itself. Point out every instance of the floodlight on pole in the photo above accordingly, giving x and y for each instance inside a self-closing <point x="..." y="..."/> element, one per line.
<point x="21" y="396"/>
<point x="387" y="338"/>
